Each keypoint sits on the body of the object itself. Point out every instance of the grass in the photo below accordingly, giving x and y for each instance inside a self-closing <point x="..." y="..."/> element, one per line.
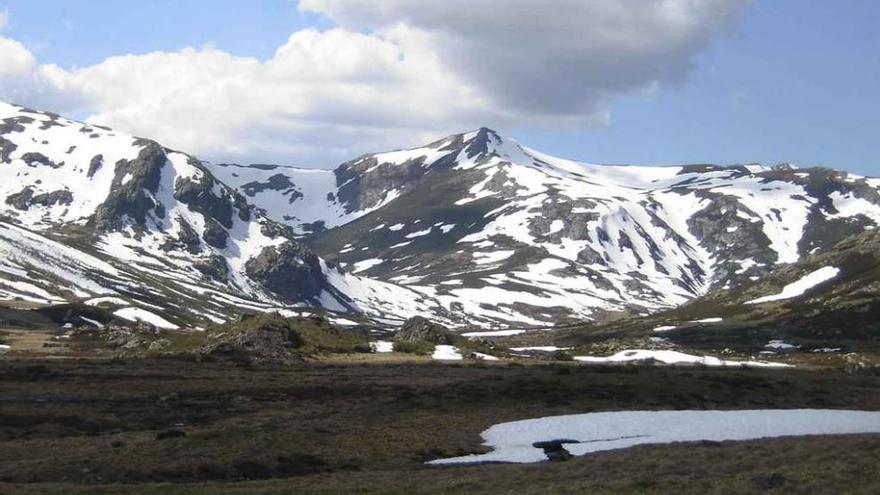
<point x="418" y="347"/>
<point x="90" y="426"/>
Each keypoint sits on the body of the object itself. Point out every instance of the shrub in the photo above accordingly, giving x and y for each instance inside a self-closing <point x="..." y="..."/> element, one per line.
<point x="420" y="347"/>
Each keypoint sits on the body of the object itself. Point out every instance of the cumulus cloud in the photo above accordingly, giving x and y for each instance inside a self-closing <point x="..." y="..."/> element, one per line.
<point x="553" y="58"/>
<point x="392" y="73"/>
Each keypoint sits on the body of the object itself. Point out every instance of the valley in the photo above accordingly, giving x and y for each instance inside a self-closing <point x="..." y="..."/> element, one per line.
<point x="173" y="426"/>
<point x="169" y="325"/>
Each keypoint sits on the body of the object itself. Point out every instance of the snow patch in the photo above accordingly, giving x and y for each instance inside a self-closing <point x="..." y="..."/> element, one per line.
<point x="800" y="286"/>
<point x="596" y="432"/>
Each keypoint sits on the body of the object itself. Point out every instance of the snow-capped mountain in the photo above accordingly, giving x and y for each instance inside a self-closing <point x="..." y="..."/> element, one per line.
<point x="496" y="232"/>
<point x="471" y="229"/>
<point x="92" y="215"/>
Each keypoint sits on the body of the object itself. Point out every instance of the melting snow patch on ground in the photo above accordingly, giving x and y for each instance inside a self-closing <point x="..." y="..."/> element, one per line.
<point x="446" y="353"/>
<point x="540" y="348"/>
<point x="496" y="333"/>
<point x="485" y="357"/>
<point x="138" y="314"/>
<point x="381" y="346"/>
<point x="669" y="357"/>
<point x="800" y="286"/>
<point x="596" y="432"/>
<point x="665" y="328"/>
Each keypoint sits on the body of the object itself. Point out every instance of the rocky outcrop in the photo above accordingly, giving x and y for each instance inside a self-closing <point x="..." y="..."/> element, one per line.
<point x="290" y="271"/>
<point x="274" y="338"/>
<point x="128" y="200"/>
<point x="419" y="329"/>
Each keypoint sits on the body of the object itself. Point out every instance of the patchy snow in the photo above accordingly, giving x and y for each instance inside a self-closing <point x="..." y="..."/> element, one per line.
<point x="382" y="346"/>
<point x="485" y="357"/>
<point x="709" y="320"/>
<point x="540" y="348"/>
<point x="596" y="432"/>
<point x="779" y="345"/>
<point x="107" y="300"/>
<point x="92" y="322"/>
<point x="345" y="322"/>
<point x="485" y="258"/>
<point x="362" y="266"/>
<point x="800" y="286"/>
<point x="665" y="328"/>
<point x="670" y="358"/>
<point x="419" y="233"/>
<point x="496" y="333"/>
<point x="446" y="353"/>
<point x="138" y="314"/>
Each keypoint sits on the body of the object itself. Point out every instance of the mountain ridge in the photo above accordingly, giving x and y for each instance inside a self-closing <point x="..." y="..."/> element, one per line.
<point x="700" y="226"/>
<point x="471" y="229"/>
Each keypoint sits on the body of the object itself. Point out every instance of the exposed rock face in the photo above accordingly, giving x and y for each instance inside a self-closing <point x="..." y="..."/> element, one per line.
<point x="361" y="190"/>
<point x="24" y="199"/>
<point x="214" y="267"/>
<point x="188" y="237"/>
<point x="278" y="182"/>
<point x="289" y="271"/>
<point x="198" y="194"/>
<point x="95" y="164"/>
<point x="20" y="200"/>
<point x="418" y="328"/>
<point x="215" y="235"/>
<point x="36" y="159"/>
<point x="127" y="198"/>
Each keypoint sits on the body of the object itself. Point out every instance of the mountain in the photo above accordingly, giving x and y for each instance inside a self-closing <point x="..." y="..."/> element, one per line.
<point x="828" y="302"/>
<point x="473" y="229"/>
<point x="499" y="234"/>
<point x="93" y="216"/>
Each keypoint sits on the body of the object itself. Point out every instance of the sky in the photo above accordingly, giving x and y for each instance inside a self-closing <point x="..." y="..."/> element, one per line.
<point x="318" y="82"/>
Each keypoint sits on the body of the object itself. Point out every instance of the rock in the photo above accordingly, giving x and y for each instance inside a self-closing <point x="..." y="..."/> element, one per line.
<point x="214" y="267"/>
<point x="127" y="198"/>
<point x="554" y="449"/>
<point x="290" y="271"/>
<point x="215" y="235"/>
<point x="418" y="328"/>
<point x="94" y="165"/>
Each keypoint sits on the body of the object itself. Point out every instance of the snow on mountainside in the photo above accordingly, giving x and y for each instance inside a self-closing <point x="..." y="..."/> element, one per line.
<point x="87" y="213"/>
<point x="470" y="229"/>
<point x="826" y="302"/>
<point x="498" y="232"/>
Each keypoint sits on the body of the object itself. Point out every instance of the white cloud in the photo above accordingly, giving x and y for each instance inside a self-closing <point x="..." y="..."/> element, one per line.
<point x="395" y="73"/>
<point x="552" y="58"/>
<point x="16" y="59"/>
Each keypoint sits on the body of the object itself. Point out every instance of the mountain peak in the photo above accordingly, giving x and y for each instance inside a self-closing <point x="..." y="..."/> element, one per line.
<point x="483" y="141"/>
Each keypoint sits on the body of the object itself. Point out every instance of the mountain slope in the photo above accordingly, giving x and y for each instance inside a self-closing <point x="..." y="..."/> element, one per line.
<point x="88" y="214"/>
<point x="497" y="232"/>
<point x="828" y="302"/>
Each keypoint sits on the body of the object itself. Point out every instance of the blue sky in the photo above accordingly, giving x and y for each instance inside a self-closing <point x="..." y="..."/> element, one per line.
<point x="788" y="81"/>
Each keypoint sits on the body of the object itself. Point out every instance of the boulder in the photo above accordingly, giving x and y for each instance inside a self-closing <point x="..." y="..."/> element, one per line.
<point x="418" y="328"/>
